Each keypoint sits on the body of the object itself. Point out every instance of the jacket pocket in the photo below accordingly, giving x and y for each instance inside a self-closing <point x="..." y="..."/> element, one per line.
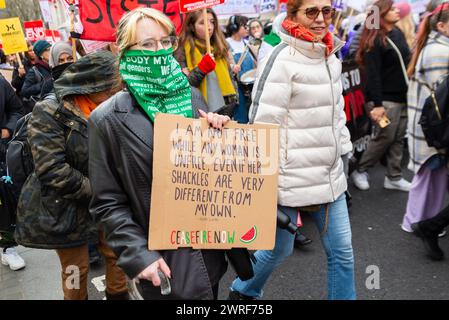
<point x="58" y="216"/>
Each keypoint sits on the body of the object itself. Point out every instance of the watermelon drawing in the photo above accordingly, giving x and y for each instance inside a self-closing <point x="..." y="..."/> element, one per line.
<point x="250" y="236"/>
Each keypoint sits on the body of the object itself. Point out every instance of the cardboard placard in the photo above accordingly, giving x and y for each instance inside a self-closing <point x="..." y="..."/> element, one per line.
<point x="34" y="30"/>
<point x="193" y="5"/>
<point x="213" y="189"/>
<point x="12" y="36"/>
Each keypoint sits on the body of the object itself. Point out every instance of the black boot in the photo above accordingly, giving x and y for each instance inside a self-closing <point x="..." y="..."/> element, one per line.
<point x="430" y="240"/>
<point x="301" y="240"/>
<point x="235" y="295"/>
<point x="117" y="296"/>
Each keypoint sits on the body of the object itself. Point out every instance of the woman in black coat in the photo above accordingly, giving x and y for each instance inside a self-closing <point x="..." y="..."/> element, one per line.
<point x="120" y="166"/>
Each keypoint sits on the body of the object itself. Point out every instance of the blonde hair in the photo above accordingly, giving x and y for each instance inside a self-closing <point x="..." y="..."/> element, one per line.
<point x="407" y="26"/>
<point x="127" y="26"/>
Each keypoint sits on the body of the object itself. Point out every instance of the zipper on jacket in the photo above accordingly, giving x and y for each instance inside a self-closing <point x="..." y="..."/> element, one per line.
<point x="333" y="127"/>
<point x="286" y="133"/>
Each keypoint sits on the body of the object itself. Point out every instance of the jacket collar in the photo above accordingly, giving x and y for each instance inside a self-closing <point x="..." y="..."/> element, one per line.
<point x="129" y="112"/>
<point x="438" y="37"/>
<point x="309" y="49"/>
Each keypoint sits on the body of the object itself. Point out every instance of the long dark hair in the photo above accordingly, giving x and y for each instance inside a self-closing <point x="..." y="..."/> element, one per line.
<point x="369" y="35"/>
<point x="429" y="23"/>
<point x="217" y="41"/>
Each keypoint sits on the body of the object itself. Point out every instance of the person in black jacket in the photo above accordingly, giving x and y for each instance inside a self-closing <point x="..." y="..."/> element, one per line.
<point x="11" y="110"/>
<point x="384" y="53"/>
<point x="121" y="158"/>
<point x="19" y="73"/>
<point x="38" y="80"/>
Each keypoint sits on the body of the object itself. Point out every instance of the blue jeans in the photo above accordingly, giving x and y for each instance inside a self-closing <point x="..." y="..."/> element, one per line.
<point x="336" y="242"/>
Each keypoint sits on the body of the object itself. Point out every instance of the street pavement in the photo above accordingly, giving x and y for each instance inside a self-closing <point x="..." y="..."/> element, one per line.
<point x="379" y="244"/>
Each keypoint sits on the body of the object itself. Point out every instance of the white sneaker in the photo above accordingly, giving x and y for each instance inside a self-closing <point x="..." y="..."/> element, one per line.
<point x="13" y="259"/>
<point x="401" y="185"/>
<point x="360" y="180"/>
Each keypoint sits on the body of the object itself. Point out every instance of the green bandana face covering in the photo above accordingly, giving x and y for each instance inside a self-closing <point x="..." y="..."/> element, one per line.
<point x="156" y="80"/>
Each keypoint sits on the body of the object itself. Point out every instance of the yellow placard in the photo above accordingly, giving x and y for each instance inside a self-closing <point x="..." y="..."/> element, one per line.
<point x="2" y="4"/>
<point x="12" y="36"/>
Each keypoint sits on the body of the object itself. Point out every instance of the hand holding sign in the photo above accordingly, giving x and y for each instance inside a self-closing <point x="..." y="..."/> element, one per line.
<point x="215" y="120"/>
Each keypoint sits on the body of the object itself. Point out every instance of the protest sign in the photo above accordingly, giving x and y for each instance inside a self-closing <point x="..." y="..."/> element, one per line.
<point x="46" y="11"/>
<point x="249" y="8"/>
<point x="213" y="189"/>
<point x="12" y="36"/>
<point x="358" y="121"/>
<point x="193" y="5"/>
<point x="92" y="46"/>
<point x="34" y="30"/>
<point x="418" y="6"/>
<point x="267" y="6"/>
<point x="100" y="18"/>
<point x="52" y="36"/>
<point x="357" y="5"/>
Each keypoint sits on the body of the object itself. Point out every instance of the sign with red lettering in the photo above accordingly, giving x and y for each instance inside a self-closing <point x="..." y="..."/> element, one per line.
<point x="52" y="36"/>
<point x="358" y="121"/>
<point x="100" y="18"/>
<point x="193" y="5"/>
<point x="34" y="30"/>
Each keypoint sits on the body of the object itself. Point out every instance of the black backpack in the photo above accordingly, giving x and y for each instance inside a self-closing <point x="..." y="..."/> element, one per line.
<point x="19" y="159"/>
<point x="435" y="116"/>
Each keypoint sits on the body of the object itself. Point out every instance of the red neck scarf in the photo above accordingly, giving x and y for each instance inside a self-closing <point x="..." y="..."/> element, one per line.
<point x="298" y="31"/>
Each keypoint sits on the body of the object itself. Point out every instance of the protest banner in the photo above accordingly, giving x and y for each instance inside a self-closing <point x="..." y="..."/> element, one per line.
<point x="46" y="11"/>
<point x="282" y="7"/>
<point x="267" y="6"/>
<point x="52" y="36"/>
<point x="92" y="46"/>
<point x="358" y="121"/>
<point x="249" y="8"/>
<point x="213" y="189"/>
<point x="194" y="5"/>
<point x="34" y="30"/>
<point x="12" y="36"/>
<point x="357" y="5"/>
<point x="100" y="18"/>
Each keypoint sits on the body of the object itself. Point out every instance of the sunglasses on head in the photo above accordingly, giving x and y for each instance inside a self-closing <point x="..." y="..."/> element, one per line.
<point x="313" y="13"/>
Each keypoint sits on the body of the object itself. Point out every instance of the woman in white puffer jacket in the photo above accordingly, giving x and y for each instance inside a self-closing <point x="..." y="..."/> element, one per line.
<point x="299" y="87"/>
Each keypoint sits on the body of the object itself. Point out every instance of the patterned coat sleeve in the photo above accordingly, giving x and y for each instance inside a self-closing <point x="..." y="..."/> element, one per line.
<point x="48" y="146"/>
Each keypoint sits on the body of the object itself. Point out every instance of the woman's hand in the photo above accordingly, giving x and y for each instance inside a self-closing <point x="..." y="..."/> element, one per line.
<point x="150" y="272"/>
<point x="215" y="120"/>
<point x="236" y="68"/>
<point x="377" y="113"/>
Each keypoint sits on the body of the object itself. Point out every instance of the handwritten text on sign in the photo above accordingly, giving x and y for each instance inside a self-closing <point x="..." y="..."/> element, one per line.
<point x="100" y="17"/>
<point x="213" y="189"/>
<point x="192" y="5"/>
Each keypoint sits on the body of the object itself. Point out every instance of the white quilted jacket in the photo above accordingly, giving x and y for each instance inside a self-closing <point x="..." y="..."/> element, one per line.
<point x="301" y="90"/>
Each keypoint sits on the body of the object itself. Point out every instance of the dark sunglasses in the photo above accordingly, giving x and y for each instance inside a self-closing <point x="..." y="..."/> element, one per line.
<point x="313" y="13"/>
